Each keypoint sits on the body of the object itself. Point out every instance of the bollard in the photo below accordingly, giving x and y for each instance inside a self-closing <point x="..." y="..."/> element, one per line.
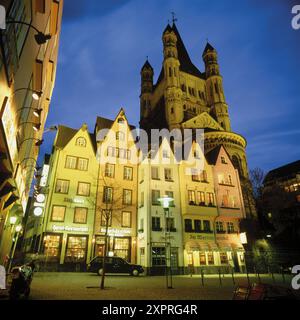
<point x="202" y="277"/>
<point x="283" y="277"/>
<point x="220" y="277"/>
<point x="273" y="276"/>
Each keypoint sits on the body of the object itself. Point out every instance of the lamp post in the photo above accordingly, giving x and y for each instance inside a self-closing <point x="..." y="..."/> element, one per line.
<point x="165" y="202"/>
<point x="40" y="37"/>
<point x="18" y="230"/>
<point x="36" y="95"/>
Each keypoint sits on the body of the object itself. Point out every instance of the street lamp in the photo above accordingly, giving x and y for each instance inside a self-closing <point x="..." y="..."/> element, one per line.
<point x="40" y="37"/>
<point x="36" y="95"/>
<point x="35" y="126"/>
<point x="37" y="143"/>
<point x="18" y="230"/>
<point x="165" y="202"/>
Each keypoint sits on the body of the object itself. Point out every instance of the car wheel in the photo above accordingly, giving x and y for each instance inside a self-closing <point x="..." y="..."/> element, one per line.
<point x="100" y="272"/>
<point x="135" y="273"/>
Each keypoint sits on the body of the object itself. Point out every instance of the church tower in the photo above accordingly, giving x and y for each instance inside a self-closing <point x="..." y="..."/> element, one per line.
<point x="214" y="85"/>
<point x="146" y="89"/>
<point x="171" y="64"/>
<point x="184" y="97"/>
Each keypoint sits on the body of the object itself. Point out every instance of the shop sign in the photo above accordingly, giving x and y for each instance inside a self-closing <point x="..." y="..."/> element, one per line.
<point x="44" y="177"/>
<point x="10" y="130"/>
<point x="69" y="228"/>
<point x="116" y="232"/>
<point x="201" y="237"/>
<point x="74" y="200"/>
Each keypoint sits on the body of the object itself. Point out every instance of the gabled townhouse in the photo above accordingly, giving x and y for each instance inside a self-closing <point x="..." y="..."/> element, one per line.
<point x="230" y="209"/>
<point x="159" y="233"/>
<point x="199" y="211"/>
<point x="117" y="188"/>
<point x="68" y="218"/>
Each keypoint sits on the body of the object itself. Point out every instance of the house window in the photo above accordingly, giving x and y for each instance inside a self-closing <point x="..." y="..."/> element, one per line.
<point x="107" y="195"/>
<point x="211" y="199"/>
<point x="106" y="216"/>
<point x="81" y="142"/>
<point x="128" y="173"/>
<point x="223" y="160"/>
<point x="58" y="213"/>
<point x="202" y="258"/>
<point x="170" y="194"/>
<point x="83" y="189"/>
<point x="170" y="224"/>
<point x="230" y="180"/>
<point x="126" y="219"/>
<point x="168" y="174"/>
<point x="197" y="224"/>
<point x="201" y="198"/>
<point x="82" y="164"/>
<point x="156" y="224"/>
<point x="223" y="258"/>
<point x="206" y="225"/>
<point x="188" y="225"/>
<point x="127" y="196"/>
<point x="62" y="186"/>
<point x="40" y="6"/>
<point x="219" y="227"/>
<point x="225" y="201"/>
<point x="120" y="136"/>
<point x="230" y="227"/>
<point x="158" y="256"/>
<point x="76" y="249"/>
<point x="195" y="175"/>
<point x="155" y="197"/>
<point x="191" y="197"/>
<point x="71" y="162"/>
<point x="155" y="173"/>
<point x="221" y="178"/>
<point x="109" y="170"/>
<point x="80" y="215"/>
<point x="166" y="154"/>
<point x="203" y="176"/>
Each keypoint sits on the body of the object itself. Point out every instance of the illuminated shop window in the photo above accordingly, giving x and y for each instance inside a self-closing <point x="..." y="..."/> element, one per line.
<point x="223" y="258"/>
<point x="76" y="249"/>
<point x="210" y="258"/>
<point x="158" y="256"/>
<point x="52" y="246"/>
<point x="122" y="248"/>
<point x="202" y="258"/>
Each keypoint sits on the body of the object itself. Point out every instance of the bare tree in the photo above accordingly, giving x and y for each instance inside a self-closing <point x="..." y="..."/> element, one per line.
<point x="109" y="206"/>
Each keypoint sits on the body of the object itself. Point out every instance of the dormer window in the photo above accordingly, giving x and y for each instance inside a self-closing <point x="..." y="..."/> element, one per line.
<point x="81" y="142"/>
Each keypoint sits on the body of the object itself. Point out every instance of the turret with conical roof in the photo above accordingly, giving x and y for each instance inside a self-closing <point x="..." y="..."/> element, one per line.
<point x="214" y="85"/>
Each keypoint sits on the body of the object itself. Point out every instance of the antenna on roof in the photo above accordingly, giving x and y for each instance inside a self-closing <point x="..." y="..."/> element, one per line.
<point x="173" y="17"/>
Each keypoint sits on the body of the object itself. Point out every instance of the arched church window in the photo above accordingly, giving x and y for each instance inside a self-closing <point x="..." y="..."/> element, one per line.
<point x="81" y="142"/>
<point x="120" y="136"/>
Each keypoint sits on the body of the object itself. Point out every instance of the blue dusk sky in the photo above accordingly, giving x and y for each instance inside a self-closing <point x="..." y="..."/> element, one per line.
<point x="104" y="44"/>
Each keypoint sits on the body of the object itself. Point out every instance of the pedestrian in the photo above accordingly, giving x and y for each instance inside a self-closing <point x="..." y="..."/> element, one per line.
<point x="2" y="278"/>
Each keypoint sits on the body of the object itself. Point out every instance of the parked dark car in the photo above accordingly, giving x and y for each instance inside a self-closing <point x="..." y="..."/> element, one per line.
<point x="114" y="265"/>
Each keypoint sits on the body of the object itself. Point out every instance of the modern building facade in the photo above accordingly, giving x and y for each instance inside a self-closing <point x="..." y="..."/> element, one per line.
<point x="27" y="75"/>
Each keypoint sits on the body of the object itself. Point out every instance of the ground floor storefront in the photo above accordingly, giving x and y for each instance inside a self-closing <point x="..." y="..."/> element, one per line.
<point x="212" y="254"/>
